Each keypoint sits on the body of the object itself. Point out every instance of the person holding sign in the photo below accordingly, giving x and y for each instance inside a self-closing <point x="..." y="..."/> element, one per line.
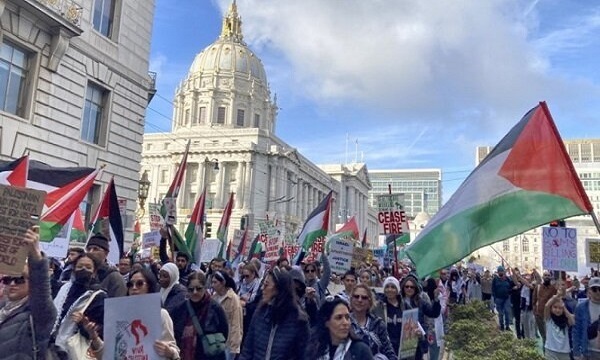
<point x="333" y="338"/>
<point x="27" y="312"/>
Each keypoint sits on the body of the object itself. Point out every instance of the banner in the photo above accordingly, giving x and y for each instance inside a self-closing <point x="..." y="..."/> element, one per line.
<point x="156" y="220"/>
<point x="559" y="248"/>
<point x="20" y="209"/>
<point x="210" y="249"/>
<point x="270" y="235"/>
<point x="151" y="239"/>
<point x="59" y="246"/>
<point x="340" y="255"/>
<point x="131" y="325"/>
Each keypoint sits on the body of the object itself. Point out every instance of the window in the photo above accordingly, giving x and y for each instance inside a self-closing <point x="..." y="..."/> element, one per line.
<point x="221" y="115"/>
<point x="256" y="120"/>
<point x="93" y="125"/>
<point x="202" y="115"/>
<point x="240" y="117"/>
<point x="104" y="11"/>
<point x="14" y="68"/>
<point x="525" y="245"/>
<point x="164" y="176"/>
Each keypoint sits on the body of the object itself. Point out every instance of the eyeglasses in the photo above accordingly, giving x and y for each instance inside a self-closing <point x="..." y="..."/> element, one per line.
<point x="18" y="280"/>
<point x="193" y="289"/>
<point x="409" y="287"/>
<point x="138" y="283"/>
<point x="310" y="271"/>
<point x="360" y="297"/>
<point x="594" y="289"/>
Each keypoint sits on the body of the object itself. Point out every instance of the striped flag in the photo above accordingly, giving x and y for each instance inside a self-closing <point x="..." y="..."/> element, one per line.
<point x="20" y="172"/>
<point x="194" y="234"/>
<point x="364" y="242"/>
<point x="526" y="181"/>
<point x="107" y="222"/>
<point x="224" y="225"/>
<point x="315" y="226"/>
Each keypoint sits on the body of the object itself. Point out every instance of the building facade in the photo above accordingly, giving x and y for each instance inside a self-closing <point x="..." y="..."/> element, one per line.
<point x="224" y="108"/>
<point x="422" y="188"/>
<point x="525" y="250"/>
<point x="74" y="86"/>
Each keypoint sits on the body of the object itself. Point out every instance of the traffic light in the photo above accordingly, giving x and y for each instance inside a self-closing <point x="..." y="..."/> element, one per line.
<point x="207" y="229"/>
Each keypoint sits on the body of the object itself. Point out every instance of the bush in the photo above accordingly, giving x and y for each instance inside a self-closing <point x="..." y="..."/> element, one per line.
<point x="474" y="335"/>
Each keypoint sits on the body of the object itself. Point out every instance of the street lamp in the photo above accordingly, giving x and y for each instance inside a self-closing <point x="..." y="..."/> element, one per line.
<point x="143" y="187"/>
<point x="215" y="163"/>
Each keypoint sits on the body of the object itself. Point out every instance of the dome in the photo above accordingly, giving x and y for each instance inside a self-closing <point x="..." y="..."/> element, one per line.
<point x="421" y="219"/>
<point x="227" y="55"/>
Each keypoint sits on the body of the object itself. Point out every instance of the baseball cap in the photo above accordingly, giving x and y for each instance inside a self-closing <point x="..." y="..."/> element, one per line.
<point x="594" y="282"/>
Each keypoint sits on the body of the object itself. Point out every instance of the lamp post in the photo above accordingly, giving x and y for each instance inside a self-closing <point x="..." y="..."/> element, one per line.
<point x="143" y="187"/>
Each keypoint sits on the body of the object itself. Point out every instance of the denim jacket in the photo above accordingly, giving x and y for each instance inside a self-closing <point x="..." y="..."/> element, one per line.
<point x="582" y="321"/>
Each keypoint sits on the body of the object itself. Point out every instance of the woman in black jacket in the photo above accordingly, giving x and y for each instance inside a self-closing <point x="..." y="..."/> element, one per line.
<point x="279" y="327"/>
<point x="210" y="315"/>
<point x="333" y="338"/>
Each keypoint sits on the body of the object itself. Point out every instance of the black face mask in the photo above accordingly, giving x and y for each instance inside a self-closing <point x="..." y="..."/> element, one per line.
<point x="546" y="282"/>
<point x="82" y="276"/>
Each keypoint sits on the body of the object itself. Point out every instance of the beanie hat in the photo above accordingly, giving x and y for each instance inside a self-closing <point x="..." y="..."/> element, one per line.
<point x="99" y="240"/>
<point x="392" y="280"/>
<point x="500" y="268"/>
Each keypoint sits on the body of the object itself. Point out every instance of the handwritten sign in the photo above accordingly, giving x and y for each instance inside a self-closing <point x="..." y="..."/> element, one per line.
<point x="156" y="220"/>
<point x="210" y="249"/>
<point x="20" y="209"/>
<point x="559" y="249"/>
<point x="171" y="206"/>
<point x="360" y="256"/>
<point x="593" y="252"/>
<point x="131" y="325"/>
<point x="340" y="255"/>
<point x="151" y="239"/>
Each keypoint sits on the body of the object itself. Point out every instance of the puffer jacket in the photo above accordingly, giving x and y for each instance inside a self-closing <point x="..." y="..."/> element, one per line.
<point x="111" y="281"/>
<point x="15" y="331"/>
<point x="290" y="341"/>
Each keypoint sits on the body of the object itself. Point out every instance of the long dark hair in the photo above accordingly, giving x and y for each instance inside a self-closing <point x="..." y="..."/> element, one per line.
<point x="224" y="278"/>
<point x="321" y="337"/>
<point x="286" y="300"/>
<point x="151" y="281"/>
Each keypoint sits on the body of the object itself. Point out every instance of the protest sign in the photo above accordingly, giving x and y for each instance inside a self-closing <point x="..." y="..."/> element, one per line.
<point x="360" y="256"/>
<point x="340" y="255"/>
<point x="131" y="325"/>
<point x="156" y="220"/>
<point x="593" y="252"/>
<point x="559" y="248"/>
<point x="409" y="340"/>
<point x="171" y="206"/>
<point x="20" y="209"/>
<point x="151" y="239"/>
<point x="315" y="250"/>
<point x="379" y="254"/>
<point x="210" y="249"/>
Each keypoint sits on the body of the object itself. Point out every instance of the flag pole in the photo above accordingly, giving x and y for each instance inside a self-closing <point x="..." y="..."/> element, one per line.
<point x="596" y="222"/>
<point x="501" y="257"/>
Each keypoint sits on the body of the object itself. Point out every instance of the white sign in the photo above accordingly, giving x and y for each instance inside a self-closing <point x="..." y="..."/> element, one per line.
<point x="171" y="206"/>
<point x="210" y="249"/>
<point x="131" y="325"/>
<point x="59" y="246"/>
<point x="592" y="252"/>
<point x="340" y="255"/>
<point x="156" y="220"/>
<point x="392" y="222"/>
<point x="559" y="249"/>
<point x="151" y="239"/>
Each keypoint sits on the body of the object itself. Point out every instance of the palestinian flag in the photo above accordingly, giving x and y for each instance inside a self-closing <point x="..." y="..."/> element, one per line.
<point x="173" y="191"/>
<point x="364" y="242"/>
<point x="194" y="234"/>
<point x="18" y="176"/>
<point x="78" y="231"/>
<point x="315" y="226"/>
<point x="108" y="223"/>
<point x="137" y="232"/>
<point x="240" y="249"/>
<point x="224" y="224"/>
<point x="349" y="230"/>
<point x="526" y="181"/>
<point x="63" y="202"/>
<point x="256" y="248"/>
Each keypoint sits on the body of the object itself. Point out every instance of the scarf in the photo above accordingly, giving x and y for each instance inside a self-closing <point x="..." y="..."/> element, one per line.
<point x="11" y="307"/>
<point x="340" y="351"/>
<point x="173" y="272"/>
<point x="561" y="321"/>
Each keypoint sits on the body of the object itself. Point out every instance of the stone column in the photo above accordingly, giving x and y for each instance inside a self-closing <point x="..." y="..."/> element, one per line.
<point x="239" y="192"/>
<point x="220" y="187"/>
<point x="248" y="187"/>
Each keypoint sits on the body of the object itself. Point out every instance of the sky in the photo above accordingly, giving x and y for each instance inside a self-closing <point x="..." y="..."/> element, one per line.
<point x="399" y="84"/>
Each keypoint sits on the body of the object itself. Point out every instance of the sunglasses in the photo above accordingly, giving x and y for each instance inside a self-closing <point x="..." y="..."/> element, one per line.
<point x="409" y="287"/>
<point x="138" y="283"/>
<point x="310" y="271"/>
<point x="360" y="297"/>
<point x="18" y="280"/>
<point x="594" y="289"/>
<point x="193" y="289"/>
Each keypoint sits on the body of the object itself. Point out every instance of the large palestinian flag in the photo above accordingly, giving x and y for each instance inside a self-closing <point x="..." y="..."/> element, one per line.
<point x="194" y="233"/>
<point x="526" y="181"/>
<point x="315" y="226"/>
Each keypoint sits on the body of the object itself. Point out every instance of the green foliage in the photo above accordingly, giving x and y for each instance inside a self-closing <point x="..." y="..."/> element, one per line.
<point x="474" y="335"/>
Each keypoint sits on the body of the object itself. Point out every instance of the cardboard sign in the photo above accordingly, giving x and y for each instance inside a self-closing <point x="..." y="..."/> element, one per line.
<point x="360" y="256"/>
<point x="409" y="340"/>
<point x="20" y="209"/>
<point x="210" y="249"/>
<point x="592" y="247"/>
<point x="156" y="220"/>
<point x="171" y="206"/>
<point x="131" y="325"/>
<point x="151" y="239"/>
<point x="559" y="249"/>
<point x="340" y="255"/>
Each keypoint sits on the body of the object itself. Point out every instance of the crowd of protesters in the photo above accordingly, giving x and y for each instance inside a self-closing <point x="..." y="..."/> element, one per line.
<point x="279" y="311"/>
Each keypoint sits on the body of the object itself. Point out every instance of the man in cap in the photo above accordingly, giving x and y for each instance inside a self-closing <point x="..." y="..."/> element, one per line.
<point x="587" y="316"/>
<point x="97" y="247"/>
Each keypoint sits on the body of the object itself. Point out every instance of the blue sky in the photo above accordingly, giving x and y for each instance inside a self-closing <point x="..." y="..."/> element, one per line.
<point x="418" y="84"/>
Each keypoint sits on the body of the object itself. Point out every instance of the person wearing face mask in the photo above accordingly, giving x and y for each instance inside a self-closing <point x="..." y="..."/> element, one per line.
<point x="541" y="294"/>
<point x="72" y="297"/>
